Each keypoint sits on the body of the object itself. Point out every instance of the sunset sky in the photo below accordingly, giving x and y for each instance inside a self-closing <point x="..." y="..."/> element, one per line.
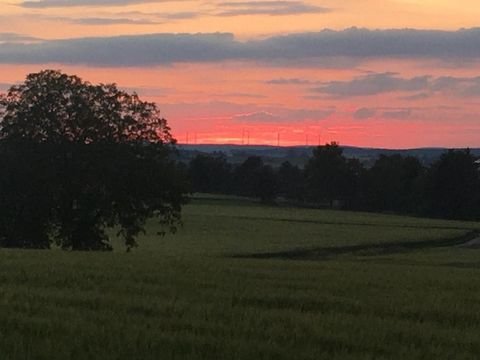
<point x="378" y="73"/>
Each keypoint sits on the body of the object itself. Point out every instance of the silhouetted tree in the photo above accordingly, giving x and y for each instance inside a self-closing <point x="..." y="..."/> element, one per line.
<point x="328" y="174"/>
<point x="291" y="182"/>
<point x="266" y="188"/>
<point x="102" y="160"/>
<point x="210" y="173"/>
<point x="353" y="187"/>
<point x="453" y="186"/>
<point x="246" y="176"/>
<point x="26" y="195"/>
<point x="393" y="184"/>
<point x="254" y="178"/>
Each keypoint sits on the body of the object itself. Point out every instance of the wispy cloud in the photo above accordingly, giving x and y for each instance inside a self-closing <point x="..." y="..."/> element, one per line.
<point x="117" y="18"/>
<point x="41" y="4"/>
<point x="364" y="113"/>
<point x="273" y="8"/>
<point x="258" y="116"/>
<point x="110" y="21"/>
<point x="181" y="15"/>
<point x="383" y="113"/>
<point x="397" y="114"/>
<point x="373" y="84"/>
<point x="423" y="86"/>
<point x="284" y="115"/>
<point x="289" y="81"/>
<point x="239" y="95"/>
<point x="152" y="16"/>
<point x="17" y="38"/>
<point x="414" y="97"/>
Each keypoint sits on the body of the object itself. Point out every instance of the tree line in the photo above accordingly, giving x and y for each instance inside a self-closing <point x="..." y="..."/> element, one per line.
<point x="449" y="188"/>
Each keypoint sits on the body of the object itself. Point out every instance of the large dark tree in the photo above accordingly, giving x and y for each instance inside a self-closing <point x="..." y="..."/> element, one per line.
<point x="394" y="184"/>
<point x="254" y="178"/>
<point x="26" y="195"/>
<point x="329" y="175"/>
<point x="291" y="184"/>
<point x="81" y="158"/>
<point x="210" y="173"/>
<point x="453" y="186"/>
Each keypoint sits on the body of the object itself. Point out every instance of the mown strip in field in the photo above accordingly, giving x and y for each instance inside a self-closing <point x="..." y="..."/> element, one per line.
<point x="323" y="253"/>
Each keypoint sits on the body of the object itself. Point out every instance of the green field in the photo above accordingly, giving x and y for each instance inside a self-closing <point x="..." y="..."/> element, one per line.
<point x="244" y="281"/>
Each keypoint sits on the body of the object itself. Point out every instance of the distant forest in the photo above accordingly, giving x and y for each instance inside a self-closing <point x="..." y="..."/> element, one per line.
<point x="448" y="187"/>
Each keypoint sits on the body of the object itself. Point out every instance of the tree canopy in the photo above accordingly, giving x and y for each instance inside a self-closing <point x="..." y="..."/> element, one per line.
<point x="77" y="159"/>
<point x="394" y="183"/>
<point x="453" y="186"/>
<point x="54" y="107"/>
<point x="330" y="175"/>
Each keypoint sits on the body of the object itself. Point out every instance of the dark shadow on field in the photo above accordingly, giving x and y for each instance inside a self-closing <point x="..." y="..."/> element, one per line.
<point x="325" y="253"/>
<point x="353" y="223"/>
<point x="459" y="265"/>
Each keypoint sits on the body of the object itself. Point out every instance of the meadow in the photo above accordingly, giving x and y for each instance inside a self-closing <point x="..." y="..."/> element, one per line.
<point x="245" y="281"/>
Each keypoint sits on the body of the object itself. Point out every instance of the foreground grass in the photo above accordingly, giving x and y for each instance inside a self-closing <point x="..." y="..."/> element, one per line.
<point x="190" y="297"/>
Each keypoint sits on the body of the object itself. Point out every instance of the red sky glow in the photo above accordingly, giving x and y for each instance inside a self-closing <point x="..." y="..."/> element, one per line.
<point x="393" y="74"/>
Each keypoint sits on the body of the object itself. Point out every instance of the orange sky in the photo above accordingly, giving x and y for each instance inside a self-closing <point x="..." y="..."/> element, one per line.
<point x="386" y="99"/>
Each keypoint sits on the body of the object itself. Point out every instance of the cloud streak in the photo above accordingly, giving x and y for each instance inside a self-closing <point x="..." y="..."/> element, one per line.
<point x="9" y="37"/>
<point x="284" y="115"/>
<point x="110" y="21"/>
<point x="272" y="8"/>
<point x="383" y="83"/>
<point x="307" y="48"/>
<point x="105" y="19"/>
<point x="398" y="114"/>
<point x="289" y="81"/>
<point x="43" y="4"/>
<point x="373" y="84"/>
<point x="383" y="113"/>
<point x="364" y="113"/>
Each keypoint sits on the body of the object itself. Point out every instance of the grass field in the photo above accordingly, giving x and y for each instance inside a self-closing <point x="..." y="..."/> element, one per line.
<point x="244" y="281"/>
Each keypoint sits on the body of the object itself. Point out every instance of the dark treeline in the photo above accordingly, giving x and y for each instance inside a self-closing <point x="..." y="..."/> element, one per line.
<point x="449" y="188"/>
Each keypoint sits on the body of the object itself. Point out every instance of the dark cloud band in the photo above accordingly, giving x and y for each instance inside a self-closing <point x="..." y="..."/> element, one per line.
<point x="309" y="48"/>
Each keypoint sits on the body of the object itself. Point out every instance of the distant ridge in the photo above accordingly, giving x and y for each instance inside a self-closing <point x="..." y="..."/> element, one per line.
<point x="300" y="154"/>
<point x="259" y="146"/>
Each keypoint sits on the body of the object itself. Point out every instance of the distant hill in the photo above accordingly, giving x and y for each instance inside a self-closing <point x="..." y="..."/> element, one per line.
<point x="299" y="154"/>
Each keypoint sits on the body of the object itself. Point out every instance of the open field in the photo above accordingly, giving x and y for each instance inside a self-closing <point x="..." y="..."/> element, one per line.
<point x="244" y="281"/>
